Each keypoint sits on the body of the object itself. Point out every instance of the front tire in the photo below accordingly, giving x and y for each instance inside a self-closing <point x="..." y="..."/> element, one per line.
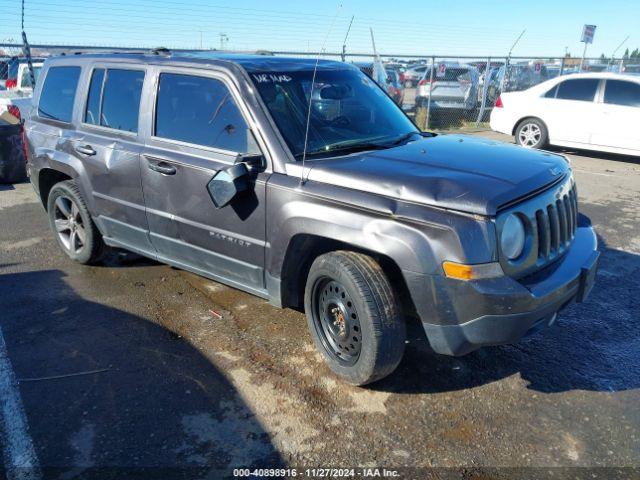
<point x="354" y="317"/>
<point x="532" y="133"/>
<point x="71" y="224"/>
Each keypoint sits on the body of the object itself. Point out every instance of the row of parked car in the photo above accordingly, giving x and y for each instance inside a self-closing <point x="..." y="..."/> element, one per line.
<point x="464" y="86"/>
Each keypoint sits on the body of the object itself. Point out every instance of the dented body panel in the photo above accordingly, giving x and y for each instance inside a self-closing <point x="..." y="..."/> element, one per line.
<point x="412" y="207"/>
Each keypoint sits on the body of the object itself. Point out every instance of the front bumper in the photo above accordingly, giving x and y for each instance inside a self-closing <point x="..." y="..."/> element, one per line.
<point x="459" y="317"/>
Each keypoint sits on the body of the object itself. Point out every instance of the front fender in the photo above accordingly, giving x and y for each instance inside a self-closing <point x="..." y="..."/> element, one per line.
<point x="409" y="246"/>
<point x="416" y="237"/>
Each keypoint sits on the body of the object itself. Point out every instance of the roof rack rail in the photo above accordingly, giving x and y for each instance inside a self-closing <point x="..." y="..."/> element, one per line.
<point x="160" y="51"/>
<point x="104" y="52"/>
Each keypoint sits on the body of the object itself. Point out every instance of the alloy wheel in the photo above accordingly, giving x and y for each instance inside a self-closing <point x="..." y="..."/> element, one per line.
<point x="69" y="225"/>
<point x="529" y="135"/>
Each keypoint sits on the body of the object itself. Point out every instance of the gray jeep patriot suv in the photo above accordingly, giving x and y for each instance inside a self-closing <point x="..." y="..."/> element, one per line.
<point x="311" y="189"/>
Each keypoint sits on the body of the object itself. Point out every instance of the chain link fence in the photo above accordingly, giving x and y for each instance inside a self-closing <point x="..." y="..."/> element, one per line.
<point x="449" y="93"/>
<point x="439" y="92"/>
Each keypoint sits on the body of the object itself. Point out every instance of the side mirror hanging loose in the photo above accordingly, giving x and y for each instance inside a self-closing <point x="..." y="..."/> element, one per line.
<point x="228" y="183"/>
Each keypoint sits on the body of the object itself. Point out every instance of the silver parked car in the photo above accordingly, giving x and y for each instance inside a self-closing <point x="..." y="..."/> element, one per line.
<point x="453" y="85"/>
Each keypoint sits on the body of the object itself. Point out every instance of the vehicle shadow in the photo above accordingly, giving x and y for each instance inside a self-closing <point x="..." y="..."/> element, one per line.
<point x="118" y="258"/>
<point x="594" y="346"/>
<point x="108" y="394"/>
<point x="614" y="157"/>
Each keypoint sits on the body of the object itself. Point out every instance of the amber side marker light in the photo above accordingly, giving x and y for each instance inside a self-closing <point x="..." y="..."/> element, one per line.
<point x="461" y="271"/>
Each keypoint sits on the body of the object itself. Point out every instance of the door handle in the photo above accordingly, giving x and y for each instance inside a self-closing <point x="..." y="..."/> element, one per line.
<point x="162" y="167"/>
<point x="86" y="150"/>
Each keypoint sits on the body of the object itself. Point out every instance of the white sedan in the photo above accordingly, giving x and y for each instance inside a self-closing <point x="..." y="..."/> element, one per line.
<point x="593" y="111"/>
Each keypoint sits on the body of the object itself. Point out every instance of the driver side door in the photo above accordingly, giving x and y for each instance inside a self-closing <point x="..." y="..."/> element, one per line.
<point x="199" y="128"/>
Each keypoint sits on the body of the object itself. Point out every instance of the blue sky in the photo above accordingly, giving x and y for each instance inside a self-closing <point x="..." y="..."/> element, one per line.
<point x="453" y="27"/>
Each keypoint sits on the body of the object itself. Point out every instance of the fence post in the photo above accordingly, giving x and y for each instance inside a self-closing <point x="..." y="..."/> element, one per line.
<point x="485" y="90"/>
<point x="433" y="61"/>
<point x="562" y="67"/>
<point x="506" y="73"/>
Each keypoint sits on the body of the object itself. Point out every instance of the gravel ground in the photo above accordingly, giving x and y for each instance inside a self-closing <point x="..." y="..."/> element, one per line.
<point x="133" y="368"/>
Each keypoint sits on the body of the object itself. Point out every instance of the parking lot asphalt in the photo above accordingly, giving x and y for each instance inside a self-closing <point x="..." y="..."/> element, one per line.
<point x="136" y="366"/>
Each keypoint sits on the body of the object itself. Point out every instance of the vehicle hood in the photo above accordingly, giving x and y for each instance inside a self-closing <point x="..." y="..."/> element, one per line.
<point x="457" y="172"/>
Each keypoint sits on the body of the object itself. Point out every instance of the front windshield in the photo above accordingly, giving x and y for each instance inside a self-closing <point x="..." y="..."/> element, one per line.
<point x="348" y="111"/>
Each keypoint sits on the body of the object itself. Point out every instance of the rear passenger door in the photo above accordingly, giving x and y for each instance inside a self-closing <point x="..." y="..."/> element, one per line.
<point x="108" y="144"/>
<point x="618" y="116"/>
<point x="569" y="110"/>
<point x="198" y="127"/>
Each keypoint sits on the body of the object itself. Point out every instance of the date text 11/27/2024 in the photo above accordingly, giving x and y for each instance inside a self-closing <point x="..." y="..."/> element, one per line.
<point x="316" y="472"/>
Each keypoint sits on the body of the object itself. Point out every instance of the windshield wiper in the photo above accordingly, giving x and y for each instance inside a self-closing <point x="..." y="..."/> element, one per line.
<point x="347" y="148"/>
<point x="403" y="138"/>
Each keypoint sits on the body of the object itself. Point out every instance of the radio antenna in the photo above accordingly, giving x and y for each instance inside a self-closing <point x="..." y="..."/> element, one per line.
<point x="313" y="83"/>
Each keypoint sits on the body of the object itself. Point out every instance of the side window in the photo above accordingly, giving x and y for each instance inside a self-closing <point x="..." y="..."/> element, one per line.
<point x="121" y="99"/>
<point x="583" y="89"/>
<point x="201" y="111"/>
<point x="58" y="93"/>
<point x="619" y="92"/>
<point x="92" y="113"/>
<point x="552" y="93"/>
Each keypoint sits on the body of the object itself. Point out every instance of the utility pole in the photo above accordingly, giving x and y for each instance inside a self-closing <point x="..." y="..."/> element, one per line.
<point x="344" y="44"/>
<point x="617" y="48"/>
<point x="506" y="66"/>
<point x="584" y="54"/>
<point x="516" y="42"/>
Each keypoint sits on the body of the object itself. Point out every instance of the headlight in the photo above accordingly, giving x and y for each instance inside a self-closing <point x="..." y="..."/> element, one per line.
<point x="512" y="237"/>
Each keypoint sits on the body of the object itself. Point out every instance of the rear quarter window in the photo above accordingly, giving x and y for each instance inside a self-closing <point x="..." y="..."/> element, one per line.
<point x="58" y="93"/>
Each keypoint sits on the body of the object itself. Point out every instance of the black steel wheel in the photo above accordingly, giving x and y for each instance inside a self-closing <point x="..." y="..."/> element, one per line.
<point x="336" y="320"/>
<point x="354" y="317"/>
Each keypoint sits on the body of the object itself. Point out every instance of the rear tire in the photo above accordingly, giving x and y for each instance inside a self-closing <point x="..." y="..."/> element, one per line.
<point x="72" y="225"/>
<point x="532" y="133"/>
<point x="354" y="317"/>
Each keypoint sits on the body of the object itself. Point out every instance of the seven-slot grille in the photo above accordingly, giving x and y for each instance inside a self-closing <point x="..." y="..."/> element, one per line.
<point x="551" y="221"/>
<point x="556" y="225"/>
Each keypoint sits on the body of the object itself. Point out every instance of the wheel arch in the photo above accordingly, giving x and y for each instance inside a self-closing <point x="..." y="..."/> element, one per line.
<point x="304" y="248"/>
<point x="527" y="117"/>
<point x="47" y="178"/>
